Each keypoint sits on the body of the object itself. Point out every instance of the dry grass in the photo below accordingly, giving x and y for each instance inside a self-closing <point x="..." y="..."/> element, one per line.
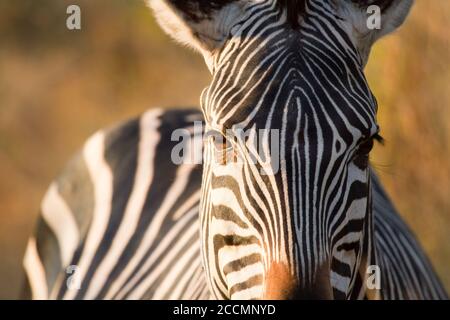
<point x="57" y="87"/>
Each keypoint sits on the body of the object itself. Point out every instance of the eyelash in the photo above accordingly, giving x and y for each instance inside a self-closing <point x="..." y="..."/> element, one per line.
<point x="367" y="145"/>
<point x="378" y="138"/>
<point x="361" y="157"/>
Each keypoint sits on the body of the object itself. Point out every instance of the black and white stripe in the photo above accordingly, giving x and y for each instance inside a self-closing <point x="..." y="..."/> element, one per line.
<point x="312" y="216"/>
<point x="303" y="229"/>
<point x="124" y="215"/>
<point x="66" y="218"/>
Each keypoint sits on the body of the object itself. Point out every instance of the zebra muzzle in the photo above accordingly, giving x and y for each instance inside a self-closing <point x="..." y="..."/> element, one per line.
<point x="281" y="284"/>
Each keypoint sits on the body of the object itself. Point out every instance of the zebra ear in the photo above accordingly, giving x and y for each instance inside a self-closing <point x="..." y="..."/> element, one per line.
<point x="201" y="24"/>
<point x="372" y="19"/>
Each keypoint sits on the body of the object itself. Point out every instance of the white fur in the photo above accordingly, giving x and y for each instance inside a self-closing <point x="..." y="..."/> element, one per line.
<point x="356" y="23"/>
<point x="102" y="179"/>
<point x="60" y="219"/>
<point x="205" y="36"/>
<point x="149" y="139"/>
<point x="35" y="272"/>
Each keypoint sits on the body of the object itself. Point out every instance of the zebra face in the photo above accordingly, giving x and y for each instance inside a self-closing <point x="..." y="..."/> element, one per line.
<point x="290" y="118"/>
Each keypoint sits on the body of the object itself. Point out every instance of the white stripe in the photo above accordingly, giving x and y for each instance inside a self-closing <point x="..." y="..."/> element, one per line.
<point x="164" y="246"/>
<point x="149" y="138"/>
<point x="255" y="292"/>
<point x="195" y="285"/>
<point x="172" y="195"/>
<point x="164" y="264"/>
<point x="191" y="202"/>
<point x="229" y="254"/>
<point x="35" y="272"/>
<point x="244" y="274"/>
<point x="339" y="282"/>
<point x="102" y="180"/>
<point x="188" y="286"/>
<point x="181" y="267"/>
<point x="61" y="221"/>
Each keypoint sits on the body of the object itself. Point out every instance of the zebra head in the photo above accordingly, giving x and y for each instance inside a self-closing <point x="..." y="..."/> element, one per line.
<point x="291" y="120"/>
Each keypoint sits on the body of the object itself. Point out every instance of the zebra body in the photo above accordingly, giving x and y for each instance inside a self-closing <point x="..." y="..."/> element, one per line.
<point x="126" y="218"/>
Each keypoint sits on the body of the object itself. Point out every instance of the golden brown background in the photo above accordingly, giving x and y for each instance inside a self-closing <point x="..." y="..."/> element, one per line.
<point x="58" y="86"/>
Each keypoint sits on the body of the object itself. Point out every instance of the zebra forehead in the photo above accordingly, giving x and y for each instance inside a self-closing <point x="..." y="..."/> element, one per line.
<point x="197" y="10"/>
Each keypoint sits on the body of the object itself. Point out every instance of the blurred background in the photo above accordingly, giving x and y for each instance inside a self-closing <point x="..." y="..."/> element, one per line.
<point x="57" y="87"/>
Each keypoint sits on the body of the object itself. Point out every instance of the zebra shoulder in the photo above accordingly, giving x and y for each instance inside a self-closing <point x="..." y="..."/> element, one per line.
<point x="100" y="175"/>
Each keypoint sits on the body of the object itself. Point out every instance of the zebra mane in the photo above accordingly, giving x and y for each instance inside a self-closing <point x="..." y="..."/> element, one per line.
<point x="294" y="9"/>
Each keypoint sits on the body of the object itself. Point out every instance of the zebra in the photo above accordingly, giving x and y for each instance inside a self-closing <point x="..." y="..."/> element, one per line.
<point x="131" y="234"/>
<point x="121" y="220"/>
<point x="170" y="267"/>
<point x="290" y="219"/>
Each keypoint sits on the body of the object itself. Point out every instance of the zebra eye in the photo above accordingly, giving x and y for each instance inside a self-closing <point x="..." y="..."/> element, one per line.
<point x="223" y="150"/>
<point x="366" y="147"/>
<point x="361" y="158"/>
